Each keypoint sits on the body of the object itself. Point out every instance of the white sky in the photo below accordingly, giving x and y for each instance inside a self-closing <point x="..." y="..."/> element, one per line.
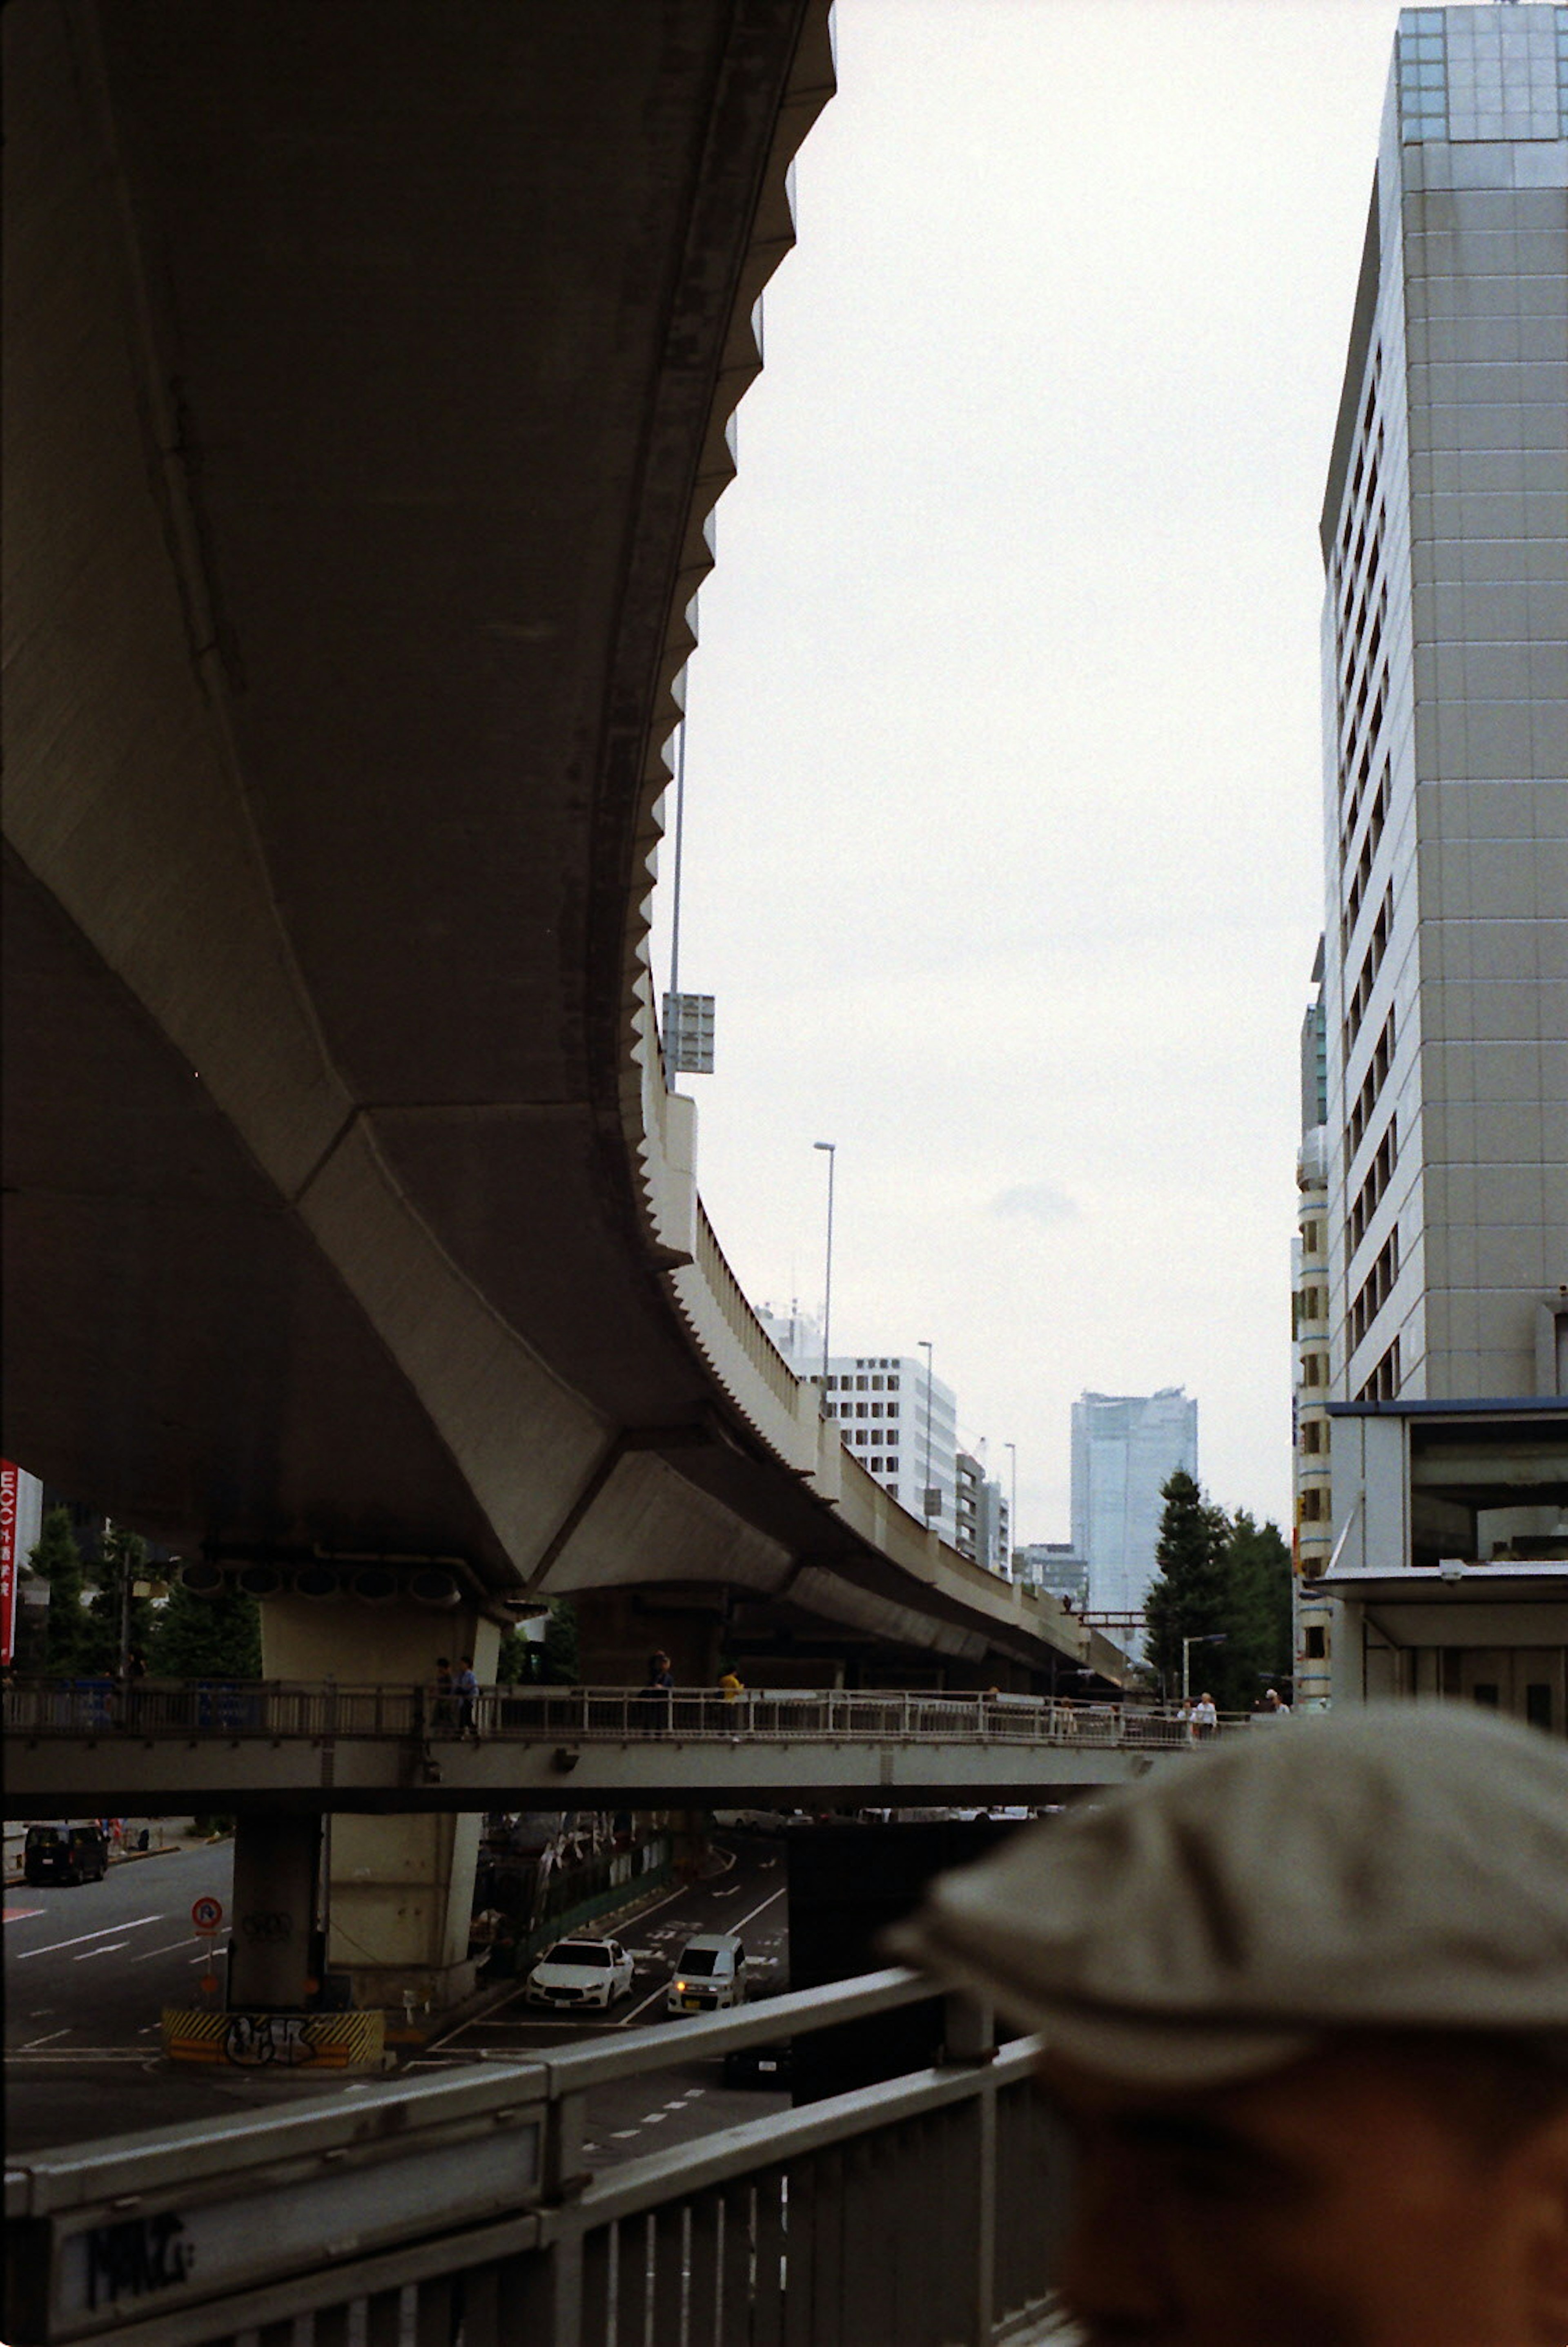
<point x="1002" y="840"/>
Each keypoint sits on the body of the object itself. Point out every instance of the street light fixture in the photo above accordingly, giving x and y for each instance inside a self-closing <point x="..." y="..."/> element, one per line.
<point x="1203" y="1638"/>
<point x="833" y="1149"/>
<point x="1012" y="1451"/>
<point x="927" y="1494"/>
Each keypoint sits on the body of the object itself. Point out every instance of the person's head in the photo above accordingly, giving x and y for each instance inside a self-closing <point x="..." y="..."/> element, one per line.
<point x="1398" y="2190"/>
<point x="1304" y="2008"/>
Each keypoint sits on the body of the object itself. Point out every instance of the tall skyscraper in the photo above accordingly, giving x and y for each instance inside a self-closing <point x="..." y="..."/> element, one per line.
<point x="1445" y="983"/>
<point x="1125" y="1446"/>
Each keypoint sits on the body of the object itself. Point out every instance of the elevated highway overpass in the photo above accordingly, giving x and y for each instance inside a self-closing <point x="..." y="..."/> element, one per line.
<point x="369" y="377"/>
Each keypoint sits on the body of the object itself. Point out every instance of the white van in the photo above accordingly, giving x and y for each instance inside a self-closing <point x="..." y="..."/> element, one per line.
<point x="711" y="1973"/>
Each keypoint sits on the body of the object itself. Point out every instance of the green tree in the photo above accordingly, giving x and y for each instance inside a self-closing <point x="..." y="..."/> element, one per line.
<point x="55" y="1555"/>
<point x="1258" y="1561"/>
<point x="551" y="1661"/>
<point x="1191" y="1597"/>
<point x="207" y="1637"/>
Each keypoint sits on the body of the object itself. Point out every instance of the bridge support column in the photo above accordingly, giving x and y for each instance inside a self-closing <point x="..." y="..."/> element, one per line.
<point x="272" y="1948"/>
<point x="399" y="1888"/>
<point x="617" y="1630"/>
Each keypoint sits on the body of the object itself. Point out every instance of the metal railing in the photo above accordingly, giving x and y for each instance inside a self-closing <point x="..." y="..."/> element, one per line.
<point x="460" y="2211"/>
<point x="277" y="1710"/>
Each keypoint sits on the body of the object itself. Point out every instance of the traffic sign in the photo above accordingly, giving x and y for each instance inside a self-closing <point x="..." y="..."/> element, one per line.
<point x="206" y="1914"/>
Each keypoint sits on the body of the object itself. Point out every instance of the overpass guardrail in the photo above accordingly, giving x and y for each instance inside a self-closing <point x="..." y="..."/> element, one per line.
<point x="922" y="2213"/>
<point x="277" y="1710"/>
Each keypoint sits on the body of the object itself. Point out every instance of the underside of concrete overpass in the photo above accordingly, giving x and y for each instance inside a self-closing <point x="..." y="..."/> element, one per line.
<point x="370" y="376"/>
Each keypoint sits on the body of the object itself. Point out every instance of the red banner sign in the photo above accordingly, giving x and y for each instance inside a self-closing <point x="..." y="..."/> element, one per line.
<point x="10" y="1487"/>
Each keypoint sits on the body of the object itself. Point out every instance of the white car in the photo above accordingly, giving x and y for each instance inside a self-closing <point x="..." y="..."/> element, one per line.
<point x="581" y="1972"/>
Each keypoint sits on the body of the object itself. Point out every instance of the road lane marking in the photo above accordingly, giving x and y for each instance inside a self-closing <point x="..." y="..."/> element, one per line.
<point x="35" y="2042"/>
<point x="83" y="1937"/>
<point x="20" y="1914"/>
<point x="168" y="1949"/>
<point x="756" y="1911"/>
<point x="112" y="1949"/>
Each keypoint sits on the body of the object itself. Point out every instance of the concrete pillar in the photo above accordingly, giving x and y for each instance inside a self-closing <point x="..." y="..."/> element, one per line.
<point x="276" y="1860"/>
<point x="399" y="1888"/>
<point x="618" y="1629"/>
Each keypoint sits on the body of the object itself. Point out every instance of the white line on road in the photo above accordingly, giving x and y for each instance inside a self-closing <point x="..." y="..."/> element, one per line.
<point x="34" y="2042"/>
<point x="82" y="1937"/>
<point x="168" y="1949"/>
<point x="112" y="1949"/>
<point x="756" y="1911"/>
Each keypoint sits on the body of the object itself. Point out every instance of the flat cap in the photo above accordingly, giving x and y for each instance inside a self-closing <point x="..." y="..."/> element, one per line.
<point x="1391" y="1867"/>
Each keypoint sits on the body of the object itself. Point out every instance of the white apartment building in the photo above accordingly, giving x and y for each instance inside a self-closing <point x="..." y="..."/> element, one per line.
<point x="902" y="1424"/>
<point x="1445" y="981"/>
<point x="1125" y="1448"/>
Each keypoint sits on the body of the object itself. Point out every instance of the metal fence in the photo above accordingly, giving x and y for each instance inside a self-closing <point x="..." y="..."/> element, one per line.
<point x="276" y="1710"/>
<point x="460" y="2212"/>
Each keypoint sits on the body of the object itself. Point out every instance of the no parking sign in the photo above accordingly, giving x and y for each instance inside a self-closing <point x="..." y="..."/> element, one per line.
<point x="206" y="1914"/>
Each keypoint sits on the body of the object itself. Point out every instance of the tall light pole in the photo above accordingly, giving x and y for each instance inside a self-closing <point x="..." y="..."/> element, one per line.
<point x="924" y="1343"/>
<point x="833" y="1149"/>
<point x="1205" y="1638"/>
<point x="1012" y="1451"/>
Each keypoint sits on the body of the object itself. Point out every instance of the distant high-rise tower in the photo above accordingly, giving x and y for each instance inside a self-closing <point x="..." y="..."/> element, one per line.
<point x="1445" y="981"/>
<point x="1125" y="1446"/>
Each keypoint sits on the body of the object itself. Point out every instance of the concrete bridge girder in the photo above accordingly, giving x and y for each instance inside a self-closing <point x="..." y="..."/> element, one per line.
<point x="328" y="865"/>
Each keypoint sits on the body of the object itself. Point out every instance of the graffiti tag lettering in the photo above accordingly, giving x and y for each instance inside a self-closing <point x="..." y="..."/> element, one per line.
<point x="267" y="1931"/>
<point x="253" y="2040"/>
<point x="142" y="2255"/>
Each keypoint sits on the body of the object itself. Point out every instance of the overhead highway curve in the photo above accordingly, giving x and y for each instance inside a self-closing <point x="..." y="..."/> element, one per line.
<point x="369" y="381"/>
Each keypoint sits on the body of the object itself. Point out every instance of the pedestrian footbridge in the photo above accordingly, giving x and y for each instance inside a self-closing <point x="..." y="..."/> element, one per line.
<point x="254" y="1749"/>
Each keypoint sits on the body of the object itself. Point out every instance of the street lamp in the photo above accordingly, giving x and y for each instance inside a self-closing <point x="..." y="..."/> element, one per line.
<point x="927" y="1510"/>
<point x="1203" y="1638"/>
<point x="833" y="1149"/>
<point x="1012" y="1451"/>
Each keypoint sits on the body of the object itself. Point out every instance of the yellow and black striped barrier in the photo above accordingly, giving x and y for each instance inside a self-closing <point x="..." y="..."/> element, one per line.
<point x="277" y="2041"/>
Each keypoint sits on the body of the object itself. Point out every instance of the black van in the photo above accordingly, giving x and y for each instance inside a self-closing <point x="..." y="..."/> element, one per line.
<point x="66" y="1854"/>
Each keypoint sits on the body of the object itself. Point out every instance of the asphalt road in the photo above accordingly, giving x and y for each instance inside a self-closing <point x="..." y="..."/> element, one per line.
<point x="638" y="2115"/>
<point x="89" y="1969"/>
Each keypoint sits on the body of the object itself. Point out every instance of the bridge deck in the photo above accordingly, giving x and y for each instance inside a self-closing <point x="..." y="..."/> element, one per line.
<point x="231" y="1746"/>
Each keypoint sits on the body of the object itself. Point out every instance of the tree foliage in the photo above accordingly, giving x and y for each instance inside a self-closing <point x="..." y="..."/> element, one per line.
<point x="1221" y="1578"/>
<point x="122" y="1557"/>
<point x="548" y="1662"/>
<point x="207" y="1637"/>
<point x="54" y="1555"/>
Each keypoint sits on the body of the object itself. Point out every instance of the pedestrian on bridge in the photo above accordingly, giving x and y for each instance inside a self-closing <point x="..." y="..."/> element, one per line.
<point x="465" y="1687"/>
<point x="1303" y="2004"/>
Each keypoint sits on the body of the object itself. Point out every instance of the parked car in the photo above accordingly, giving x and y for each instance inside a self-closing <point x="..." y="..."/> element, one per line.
<point x="581" y="1972"/>
<point x="711" y="1973"/>
<point x="66" y="1853"/>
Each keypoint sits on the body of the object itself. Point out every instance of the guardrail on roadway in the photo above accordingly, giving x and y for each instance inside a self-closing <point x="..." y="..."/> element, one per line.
<point x="277" y="1710"/>
<point x="919" y="2213"/>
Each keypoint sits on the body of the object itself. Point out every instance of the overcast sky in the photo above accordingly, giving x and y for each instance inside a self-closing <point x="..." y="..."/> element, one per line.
<point x="1002" y="838"/>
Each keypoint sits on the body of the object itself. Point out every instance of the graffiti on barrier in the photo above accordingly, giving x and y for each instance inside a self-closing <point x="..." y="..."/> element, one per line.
<point x="134" y="2259"/>
<point x="253" y="2040"/>
<point x="287" y="2041"/>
